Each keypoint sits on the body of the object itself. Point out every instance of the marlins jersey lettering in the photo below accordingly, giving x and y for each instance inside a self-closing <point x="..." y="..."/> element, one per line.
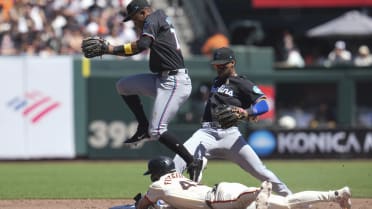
<point x="235" y="90"/>
<point x="178" y="191"/>
<point x="165" y="53"/>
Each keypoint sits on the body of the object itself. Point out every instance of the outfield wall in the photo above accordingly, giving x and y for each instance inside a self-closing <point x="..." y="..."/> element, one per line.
<point x="66" y="107"/>
<point x="110" y="122"/>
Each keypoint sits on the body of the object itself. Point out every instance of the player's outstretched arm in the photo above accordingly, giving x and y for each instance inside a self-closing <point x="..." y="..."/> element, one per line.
<point x="143" y="203"/>
<point x="95" y="46"/>
<point x="130" y="49"/>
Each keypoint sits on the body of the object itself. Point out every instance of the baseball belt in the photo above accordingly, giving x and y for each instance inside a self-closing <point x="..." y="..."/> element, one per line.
<point x="173" y="72"/>
<point x="211" y="196"/>
<point x="213" y="124"/>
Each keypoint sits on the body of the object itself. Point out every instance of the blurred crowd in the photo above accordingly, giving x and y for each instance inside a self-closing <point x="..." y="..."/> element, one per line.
<point x="290" y="55"/>
<point x="49" y="27"/>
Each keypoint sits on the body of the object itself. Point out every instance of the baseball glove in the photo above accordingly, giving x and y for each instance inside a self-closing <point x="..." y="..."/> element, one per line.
<point x="94" y="46"/>
<point x="229" y="115"/>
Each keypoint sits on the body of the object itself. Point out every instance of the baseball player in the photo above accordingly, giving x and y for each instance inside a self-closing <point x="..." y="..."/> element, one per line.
<point x="177" y="191"/>
<point x="180" y="192"/>
<point x="232" y="98"/>
<point x="169" y="82"/>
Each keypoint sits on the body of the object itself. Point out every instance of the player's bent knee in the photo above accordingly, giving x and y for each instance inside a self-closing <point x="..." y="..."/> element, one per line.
<point x="122" y="88"/>
<point x="119" y="88"/>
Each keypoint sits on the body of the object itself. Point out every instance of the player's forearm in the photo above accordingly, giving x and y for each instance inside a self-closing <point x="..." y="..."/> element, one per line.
<point x="132" y="48"/>
<point x="259" y="108"/>
<point x="128" y="49"/>
<point x="143" y="203"/>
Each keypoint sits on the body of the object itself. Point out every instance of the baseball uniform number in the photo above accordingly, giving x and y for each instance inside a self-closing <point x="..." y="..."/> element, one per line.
<point x="187" y="184"/>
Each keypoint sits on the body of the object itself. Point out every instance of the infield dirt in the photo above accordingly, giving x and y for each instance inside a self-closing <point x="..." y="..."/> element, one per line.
<point x="107" y="203"/>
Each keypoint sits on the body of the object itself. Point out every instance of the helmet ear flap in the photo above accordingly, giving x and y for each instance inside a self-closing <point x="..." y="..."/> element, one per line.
<point x="154" y="177"/>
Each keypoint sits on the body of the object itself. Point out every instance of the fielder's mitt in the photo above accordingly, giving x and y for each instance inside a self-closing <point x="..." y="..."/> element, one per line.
<point x="229" y="115"/>
<point x="94" y="46"/>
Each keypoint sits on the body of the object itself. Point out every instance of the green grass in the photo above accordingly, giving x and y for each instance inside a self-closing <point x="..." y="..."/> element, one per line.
<point x="121" y="179"/>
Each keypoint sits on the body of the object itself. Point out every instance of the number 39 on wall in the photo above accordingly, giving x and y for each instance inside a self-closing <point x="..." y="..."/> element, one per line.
<point x="103" y="134"/>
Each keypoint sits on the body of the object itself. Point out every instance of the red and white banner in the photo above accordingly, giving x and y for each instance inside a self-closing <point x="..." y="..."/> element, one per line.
<point x="36" y="108"/>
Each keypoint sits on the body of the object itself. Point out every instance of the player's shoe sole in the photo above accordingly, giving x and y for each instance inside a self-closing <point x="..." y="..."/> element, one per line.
<point x="343" y="196"/>
<point x="263" y="197"/>
<point x="200" y="169"/>
<point x="136" y="139"/>
<point x="140" y="135"/>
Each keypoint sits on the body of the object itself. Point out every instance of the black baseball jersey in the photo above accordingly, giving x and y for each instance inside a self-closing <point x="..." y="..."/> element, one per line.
<point x="165" y="52"/>
<point x="234" y="90"/>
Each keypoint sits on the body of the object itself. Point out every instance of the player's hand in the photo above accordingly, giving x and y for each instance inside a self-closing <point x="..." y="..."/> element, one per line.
<point x="94" y="46"/>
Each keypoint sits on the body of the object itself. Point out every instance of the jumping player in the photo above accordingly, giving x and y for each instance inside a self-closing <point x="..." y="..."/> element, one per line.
<point x="179" y="192"/>
<point x="214" y="141"/>
<point x="169" y="82"/>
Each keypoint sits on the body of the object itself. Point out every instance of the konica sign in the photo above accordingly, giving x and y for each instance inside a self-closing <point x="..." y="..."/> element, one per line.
<point x="263" y="142"/>
<point x="353" y="143"/>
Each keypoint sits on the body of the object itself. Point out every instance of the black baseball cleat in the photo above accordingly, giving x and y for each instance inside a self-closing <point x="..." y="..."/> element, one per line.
<point x="141" y="133"/>
<point x="195" y="169"/>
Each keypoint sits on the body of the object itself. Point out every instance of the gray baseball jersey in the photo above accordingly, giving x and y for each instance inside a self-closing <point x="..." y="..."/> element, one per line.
<point x="169" y="84"/>
<point x="210" y="141"/>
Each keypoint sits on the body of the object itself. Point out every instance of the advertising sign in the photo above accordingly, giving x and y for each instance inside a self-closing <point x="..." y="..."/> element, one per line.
<point x="338" y="143"/>
<point x="36" y="108"/>
<point x="12" y="123"/>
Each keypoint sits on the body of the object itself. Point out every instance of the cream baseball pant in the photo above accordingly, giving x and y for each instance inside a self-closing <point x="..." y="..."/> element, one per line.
<point x="298" y="200"/>
<point x="231" y="196"/>
<point x="238" y="196"/>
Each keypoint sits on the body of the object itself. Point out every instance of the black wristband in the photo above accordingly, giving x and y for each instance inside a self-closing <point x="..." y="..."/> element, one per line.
<point x="118" y="50"/>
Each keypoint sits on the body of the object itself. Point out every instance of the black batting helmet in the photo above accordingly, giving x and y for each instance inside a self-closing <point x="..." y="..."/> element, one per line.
<point x="159" y="166"/>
